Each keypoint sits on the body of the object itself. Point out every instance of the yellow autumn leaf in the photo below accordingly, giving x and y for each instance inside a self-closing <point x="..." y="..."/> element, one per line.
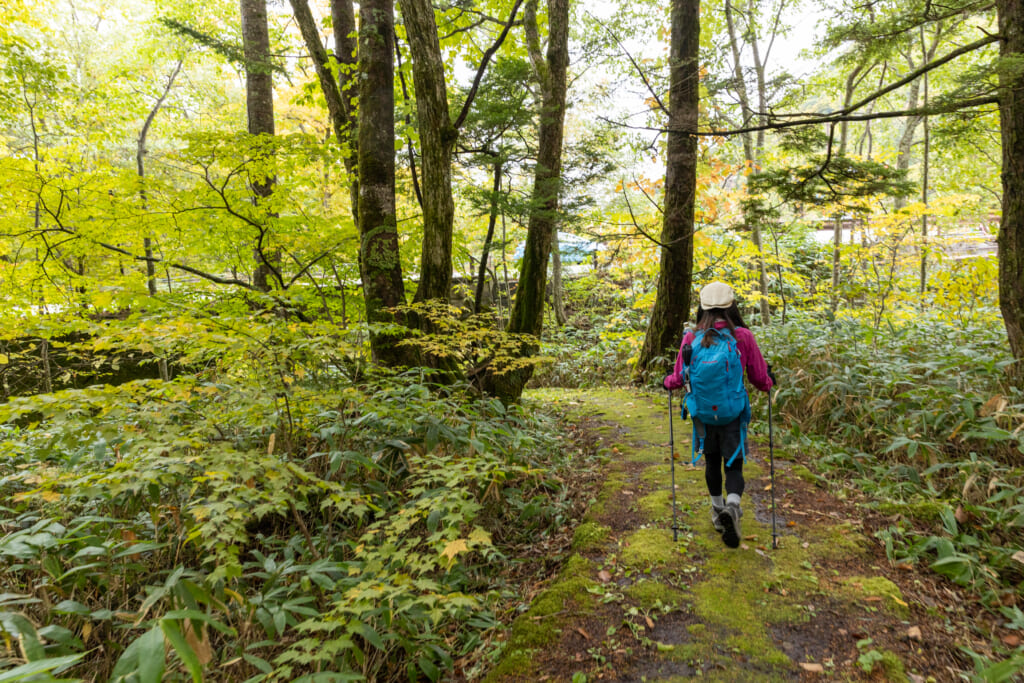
<point x="4" y="360"/>
<point x="49" y="496"/>
<point x="480" y="536"/>
<point x="453" y="548"/>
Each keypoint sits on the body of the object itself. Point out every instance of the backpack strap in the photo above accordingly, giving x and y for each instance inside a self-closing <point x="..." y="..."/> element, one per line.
<point x="697" y="442"/>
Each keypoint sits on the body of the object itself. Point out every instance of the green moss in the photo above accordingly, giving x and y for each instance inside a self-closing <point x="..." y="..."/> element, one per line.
<point x="649" y="547"/>
<point x="835" y="542"/>
<point x="589" y="536"/>
<point x="541" y="624"/>
<point x="805" y="474"/>
<point x="924" y="510"/>
<point x="656" y="505"/>
<point x="649" y="594"/>
<point x="860" y="588"/>
<point x="885" y="662"/>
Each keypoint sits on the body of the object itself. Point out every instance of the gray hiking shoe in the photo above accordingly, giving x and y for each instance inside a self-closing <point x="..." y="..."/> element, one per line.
<point x="730" y="520"/>
<point x="716" y="513"/>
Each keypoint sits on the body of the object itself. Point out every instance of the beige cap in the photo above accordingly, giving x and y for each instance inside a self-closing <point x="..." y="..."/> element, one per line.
<point x="716" y="295"/>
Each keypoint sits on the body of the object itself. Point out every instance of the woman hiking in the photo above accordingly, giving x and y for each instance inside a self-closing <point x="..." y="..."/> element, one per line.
<point x="712" y="360"/>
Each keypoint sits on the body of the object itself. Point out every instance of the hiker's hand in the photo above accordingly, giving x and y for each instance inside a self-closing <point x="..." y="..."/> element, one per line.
<point x="771" y="376"/>
<point x="665" y="383"/>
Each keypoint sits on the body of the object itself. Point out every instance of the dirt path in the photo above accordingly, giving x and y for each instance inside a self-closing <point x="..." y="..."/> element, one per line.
<point x="630" y="604"/>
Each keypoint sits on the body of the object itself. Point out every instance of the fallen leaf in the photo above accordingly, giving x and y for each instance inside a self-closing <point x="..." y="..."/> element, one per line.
<point x="812" y="667"/>
<point x="586" y="636"/>
<point x="873" y="598"/>
<point x="961" y="515"/>
<point x="790" y="523"/>
<point x="905" y="566"/>
<point x="1011" y="640"/>
<point x="752" y="537"/>
<point x="768" y="487"/>
<point x="604" y="576"/>
<point x="805" y="545"/>
<point x="1018" y="556"/>
<point x="914" y="633"/>
<point x="650" y="622"/>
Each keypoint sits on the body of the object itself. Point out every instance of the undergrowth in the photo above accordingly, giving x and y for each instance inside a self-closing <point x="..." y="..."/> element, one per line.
<point x="274" y="513"/>
<point x="923" y="417"/>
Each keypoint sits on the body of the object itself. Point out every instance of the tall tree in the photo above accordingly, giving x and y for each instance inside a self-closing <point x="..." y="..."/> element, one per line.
<point x="675" y="275"/>
<point x="438" y="133"/>
<point x="380" y="264"/>
<point x="259" y="107"/>
<point x="339" y="91"/>
<point x="1011" y="230"/>
<point x="527" y="315"/>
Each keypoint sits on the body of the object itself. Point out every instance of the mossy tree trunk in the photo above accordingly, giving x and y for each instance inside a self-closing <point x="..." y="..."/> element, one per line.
<point x="379" y="263"/>
<point x="1011" y="230"/>
<point x="675" y="276"/>
<point x="259" y="106"/>
<point x="437" y="141"/>
<point x="527" y="315"/>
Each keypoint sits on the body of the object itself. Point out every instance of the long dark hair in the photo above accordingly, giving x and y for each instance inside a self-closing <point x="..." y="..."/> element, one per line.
<point x="706" y="320"/>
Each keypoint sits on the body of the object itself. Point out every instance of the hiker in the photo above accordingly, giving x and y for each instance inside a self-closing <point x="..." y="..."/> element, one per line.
<point x="720" y="436"/>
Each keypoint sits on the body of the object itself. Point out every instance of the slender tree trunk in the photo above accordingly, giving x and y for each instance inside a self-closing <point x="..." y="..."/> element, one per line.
<point x="140" y="166"/>
<point x="259" y="100"/>
<point x="675" y="275"/>
<point x="379" y="262"/>
<point x="557" y="302"/>
<point x="1011" y="228"/>
<point x="492" y="221"/>
<point x="752" y="146"/>
<point x="925" y="172"/>
<point x="339" y="93"/>
<point x="437" y="140"/>
<point x="527" y="314"/>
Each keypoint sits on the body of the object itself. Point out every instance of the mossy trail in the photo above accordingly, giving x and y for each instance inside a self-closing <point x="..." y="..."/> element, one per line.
<point x="632" y="604"/>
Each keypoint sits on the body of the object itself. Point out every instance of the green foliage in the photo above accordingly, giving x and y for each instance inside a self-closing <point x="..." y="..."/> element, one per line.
<point x="272" y="509"/>
<point x="918" y="413"/>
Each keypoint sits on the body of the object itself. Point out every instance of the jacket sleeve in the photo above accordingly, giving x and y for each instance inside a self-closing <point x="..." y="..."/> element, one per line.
<point x="675" y="380"/>
<point x="753" y="362"/>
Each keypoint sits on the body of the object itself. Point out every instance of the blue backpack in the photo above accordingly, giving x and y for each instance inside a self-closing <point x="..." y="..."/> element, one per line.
<point x="716" y="394"/>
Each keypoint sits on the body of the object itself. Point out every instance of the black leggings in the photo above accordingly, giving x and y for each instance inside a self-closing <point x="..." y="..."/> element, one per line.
<point x="720" y="442"/>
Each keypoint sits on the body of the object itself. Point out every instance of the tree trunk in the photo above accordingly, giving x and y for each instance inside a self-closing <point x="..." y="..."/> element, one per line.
<point x="675" y="276"/>
<point x="1011" y="228"/>
<point x="527" y="314"/>
<point x="340" y="92"/>
<point x="259" y="101"/>
<point x="492" y="221"/>
<point x="557" y="302"/>
<point x="437" y="140"/>
<point x="752" y="147"/>
<point x="379" y="263"/>
<point x="140" y="166"/>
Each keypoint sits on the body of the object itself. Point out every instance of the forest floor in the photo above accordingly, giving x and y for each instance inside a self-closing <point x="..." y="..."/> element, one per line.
<point x="630" y="603"/>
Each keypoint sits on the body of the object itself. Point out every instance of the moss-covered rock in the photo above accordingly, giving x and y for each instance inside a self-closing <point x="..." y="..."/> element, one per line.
<point x="876" y="590"/>
<point x="590" y="536"/>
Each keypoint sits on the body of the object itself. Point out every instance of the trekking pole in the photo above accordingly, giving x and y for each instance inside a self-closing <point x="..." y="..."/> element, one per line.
<point x="672" y="460"/>
<point x="771" y="459"/>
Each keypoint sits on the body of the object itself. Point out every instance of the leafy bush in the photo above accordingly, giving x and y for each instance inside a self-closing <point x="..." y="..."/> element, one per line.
<point x="923" y="417"/>
<point x="276" y="514"/>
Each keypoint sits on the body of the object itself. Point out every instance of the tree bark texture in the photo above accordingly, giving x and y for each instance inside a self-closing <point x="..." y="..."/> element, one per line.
<point x="675" y="275"/>
<point x="437" y="140"/>
<point x="1011" y="228"/>
<point x="339" y="93"/>
<point x="492" y="221"/>
<point x="259" y="106"/>
<point x="527" y="314"/>
<point x="753" y="147"/>
<point x="379" y="262"/>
